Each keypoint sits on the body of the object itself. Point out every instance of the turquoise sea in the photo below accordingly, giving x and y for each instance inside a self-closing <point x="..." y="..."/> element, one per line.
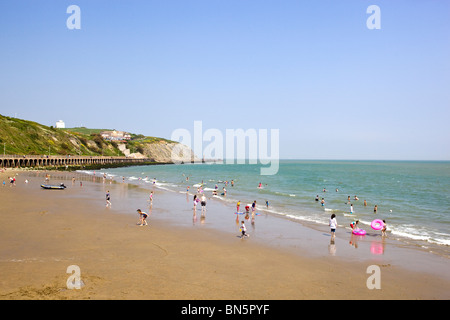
<point x="412" y="196"/>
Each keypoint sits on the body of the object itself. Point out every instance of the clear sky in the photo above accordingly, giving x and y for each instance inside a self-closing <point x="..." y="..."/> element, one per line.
<point x="334" y="88"/>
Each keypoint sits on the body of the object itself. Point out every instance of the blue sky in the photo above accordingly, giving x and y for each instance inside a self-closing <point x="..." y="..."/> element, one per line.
<point x="312" y="69"/>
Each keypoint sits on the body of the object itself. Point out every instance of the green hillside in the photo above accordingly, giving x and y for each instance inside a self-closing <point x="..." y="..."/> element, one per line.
<point x="23" y="137"/>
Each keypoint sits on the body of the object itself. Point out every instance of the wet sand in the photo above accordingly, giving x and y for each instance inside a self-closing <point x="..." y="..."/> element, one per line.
<point x="179" y="256"/>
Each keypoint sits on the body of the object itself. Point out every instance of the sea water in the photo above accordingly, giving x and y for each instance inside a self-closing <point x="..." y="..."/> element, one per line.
<point x="412" y="196"/>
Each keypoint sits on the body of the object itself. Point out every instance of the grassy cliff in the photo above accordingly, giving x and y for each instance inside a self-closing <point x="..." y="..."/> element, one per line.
<point x="23" y="137"/>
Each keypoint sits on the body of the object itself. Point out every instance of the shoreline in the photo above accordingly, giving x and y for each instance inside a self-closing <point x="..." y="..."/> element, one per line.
<point x="179" y="258"/>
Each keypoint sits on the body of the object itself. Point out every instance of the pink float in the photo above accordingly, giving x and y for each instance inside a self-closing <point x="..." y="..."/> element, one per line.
<point x="377" y="224"/>
<point x="359" y="232"/>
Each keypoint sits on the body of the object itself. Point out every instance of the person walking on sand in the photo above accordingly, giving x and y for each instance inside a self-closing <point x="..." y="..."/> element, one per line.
<point x="142" y="217"/>
<point x="333" y="224"/>
<point x="243" y="230"/>
<point x="108" y="199"/>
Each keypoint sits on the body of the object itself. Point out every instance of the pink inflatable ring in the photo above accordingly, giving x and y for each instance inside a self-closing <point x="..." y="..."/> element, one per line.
<point x="359" y="232"/>
<point x="377" y="224"/>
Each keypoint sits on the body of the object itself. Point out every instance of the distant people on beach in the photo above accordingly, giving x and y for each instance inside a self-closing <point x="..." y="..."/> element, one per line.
<point x="383" y="230"/>
<point x="375" y="209"/>
<point x="351" y="208"/>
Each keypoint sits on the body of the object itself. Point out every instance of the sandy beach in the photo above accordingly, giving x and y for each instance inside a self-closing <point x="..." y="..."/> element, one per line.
<point x="178" y="256"/>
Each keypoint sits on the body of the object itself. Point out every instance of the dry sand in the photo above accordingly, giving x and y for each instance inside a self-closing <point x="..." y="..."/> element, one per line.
<point x="42" y="232"/>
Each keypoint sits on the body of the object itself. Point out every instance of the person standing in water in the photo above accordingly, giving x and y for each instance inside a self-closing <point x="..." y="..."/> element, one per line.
<point x="195" y="203"/>
<point x="203" y="203"/>
<point x="383" y="230"/>
<point x="333" y="224"/>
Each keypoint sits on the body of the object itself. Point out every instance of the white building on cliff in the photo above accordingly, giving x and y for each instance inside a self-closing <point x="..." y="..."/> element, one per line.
<point x="60" y="124"/>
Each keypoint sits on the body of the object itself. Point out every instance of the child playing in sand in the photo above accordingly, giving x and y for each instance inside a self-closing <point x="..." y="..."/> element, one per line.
<point x="142" y="217"/>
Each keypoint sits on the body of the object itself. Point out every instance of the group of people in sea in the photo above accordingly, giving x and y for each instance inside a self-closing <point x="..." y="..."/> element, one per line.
<point x="322" y="202"/>
<point x="353" y="225"/>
